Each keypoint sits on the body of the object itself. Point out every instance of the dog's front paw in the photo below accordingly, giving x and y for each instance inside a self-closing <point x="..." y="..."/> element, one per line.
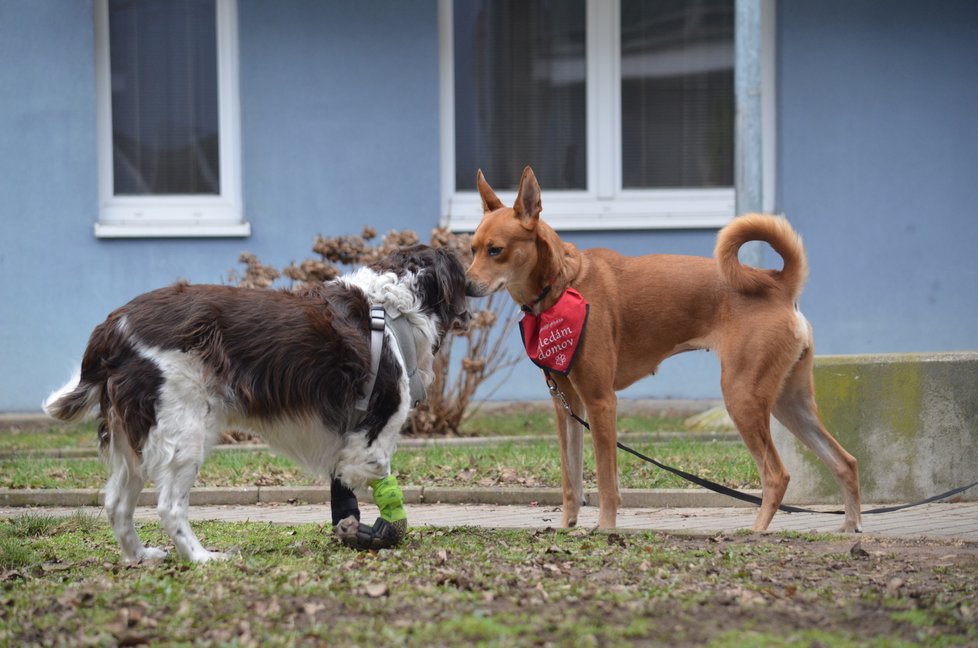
<point x="382" y="535"/>
<point x="346" y="528"/>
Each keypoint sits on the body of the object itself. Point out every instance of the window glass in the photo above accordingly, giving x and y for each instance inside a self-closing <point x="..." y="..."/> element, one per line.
<point x="520" y="88"/>
<point x="164" y="74"/>
<point x="677" y="93"/>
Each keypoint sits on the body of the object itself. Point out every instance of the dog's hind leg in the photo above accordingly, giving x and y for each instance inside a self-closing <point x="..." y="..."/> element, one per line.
<point x="797" y="411"/>
<point x="570" y="434"/>
<point x="121" y="496"/>
<point x="754" y="425"/>
<point x="180" y="446"/>
<point x="747" y="401"/>
<point x="172" y="505"/>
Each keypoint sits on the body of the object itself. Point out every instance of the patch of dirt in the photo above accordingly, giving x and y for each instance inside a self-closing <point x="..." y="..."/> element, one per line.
<point x="468" y="585"/>
<point x="915" y="591"/>
<point x="866" y="586"/>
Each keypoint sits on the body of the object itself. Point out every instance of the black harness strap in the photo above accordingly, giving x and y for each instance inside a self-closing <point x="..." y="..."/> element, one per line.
<point x="730" y="492"/>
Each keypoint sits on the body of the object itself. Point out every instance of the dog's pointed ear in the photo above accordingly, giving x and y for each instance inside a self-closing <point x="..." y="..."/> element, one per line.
<point x="490" y="202"/>
<point x="528" y="205"/>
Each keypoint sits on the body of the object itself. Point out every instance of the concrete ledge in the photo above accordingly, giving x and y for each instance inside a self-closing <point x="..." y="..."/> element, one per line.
<point x="247" y="496"/>
<point x="49" y="497"/>
<point x="203" y="496"/>
<point x="292" y="494"/>
<point x="524" y="496"/>
<point x="240" y="496"/>
<point x="911" y="420"/>
<point x="321" y="494"/>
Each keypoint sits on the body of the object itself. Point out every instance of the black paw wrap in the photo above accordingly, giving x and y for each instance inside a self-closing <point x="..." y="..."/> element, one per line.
<point x="342" y="502"/>
<point x="382" y="535"/>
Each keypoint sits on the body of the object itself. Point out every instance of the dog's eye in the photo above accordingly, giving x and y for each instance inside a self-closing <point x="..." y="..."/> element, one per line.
<point x="495" y="251"/>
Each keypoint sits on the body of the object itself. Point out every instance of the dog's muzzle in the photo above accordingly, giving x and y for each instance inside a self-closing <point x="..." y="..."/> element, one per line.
<point x="460" y="324"/>
<point x="475" y="289"/>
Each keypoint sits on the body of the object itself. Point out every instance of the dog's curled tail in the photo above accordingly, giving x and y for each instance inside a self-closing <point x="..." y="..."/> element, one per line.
<point x="778" y="233"/>
<point x="75" y="401"/>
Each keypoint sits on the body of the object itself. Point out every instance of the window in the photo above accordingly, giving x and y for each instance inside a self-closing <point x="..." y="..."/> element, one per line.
<point x="677" y="94"/>
<point x="520" y="92"/>
<point x="624" y="108"/>
<point x="168" y="124"/>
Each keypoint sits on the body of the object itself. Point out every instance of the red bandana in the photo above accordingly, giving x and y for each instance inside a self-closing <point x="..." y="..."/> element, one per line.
<point x="551" y="338"/>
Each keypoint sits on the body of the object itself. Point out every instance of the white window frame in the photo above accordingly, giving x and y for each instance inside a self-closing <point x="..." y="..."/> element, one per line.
<point x="174" y="215"/>
<point x="605" y="204"/>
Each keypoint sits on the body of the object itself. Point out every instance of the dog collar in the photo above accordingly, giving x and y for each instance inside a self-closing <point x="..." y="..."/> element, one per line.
<point x="528" y="308"/>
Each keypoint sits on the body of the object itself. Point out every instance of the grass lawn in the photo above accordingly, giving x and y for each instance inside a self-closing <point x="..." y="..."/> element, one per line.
<point x="535" y="464"/>
<point x="61" y="584"/>
<point x="517" y="423"/>
<point x="81" y="435"/>
<point x="513" y="422"/>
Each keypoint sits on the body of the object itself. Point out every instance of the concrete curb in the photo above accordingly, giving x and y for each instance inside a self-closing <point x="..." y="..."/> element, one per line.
<point x="252" y="495"/>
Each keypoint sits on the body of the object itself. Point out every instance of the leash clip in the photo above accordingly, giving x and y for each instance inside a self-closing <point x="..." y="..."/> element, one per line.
<point x="555" y="392"/>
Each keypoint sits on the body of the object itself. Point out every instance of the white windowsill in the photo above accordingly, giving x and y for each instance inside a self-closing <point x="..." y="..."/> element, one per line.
<point x="172" y="230"/>
<point x="563" y="210"/>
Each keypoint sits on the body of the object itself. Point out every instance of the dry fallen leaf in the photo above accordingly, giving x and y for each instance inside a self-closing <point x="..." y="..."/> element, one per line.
<point x="894" y="585"/>
<point x="376" y="590"/>
<point x="310" y="609"/>
<point x="857" y="551"/>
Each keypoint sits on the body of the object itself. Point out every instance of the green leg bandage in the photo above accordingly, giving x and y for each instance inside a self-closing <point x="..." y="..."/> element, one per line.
<point x="388" y="530"/>
<point x="389" y="498"/>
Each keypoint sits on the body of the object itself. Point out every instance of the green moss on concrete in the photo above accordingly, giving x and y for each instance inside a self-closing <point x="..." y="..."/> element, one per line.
<point x="911" y="420"/>
<point x="862" y="399"/>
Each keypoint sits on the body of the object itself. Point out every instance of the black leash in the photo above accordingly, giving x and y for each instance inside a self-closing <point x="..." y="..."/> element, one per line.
<point x="746" y="497"/>
<point x="731" y="492"/>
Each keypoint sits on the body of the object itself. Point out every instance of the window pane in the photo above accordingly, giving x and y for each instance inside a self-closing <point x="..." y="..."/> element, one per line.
<point x="164" y="96"/>
<point x="520" y="92"/>
<point x="677" y="93"/>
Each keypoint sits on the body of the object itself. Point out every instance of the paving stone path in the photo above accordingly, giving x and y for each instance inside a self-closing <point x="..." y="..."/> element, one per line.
<point x="957" y="521"/>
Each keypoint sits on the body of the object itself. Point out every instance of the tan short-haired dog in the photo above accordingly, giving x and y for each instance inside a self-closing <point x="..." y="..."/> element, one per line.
<point x="648" y="308"/>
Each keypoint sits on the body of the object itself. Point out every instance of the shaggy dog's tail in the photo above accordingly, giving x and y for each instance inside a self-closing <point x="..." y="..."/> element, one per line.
<point x="76" y="401"/>
<point x="81" y="396"/>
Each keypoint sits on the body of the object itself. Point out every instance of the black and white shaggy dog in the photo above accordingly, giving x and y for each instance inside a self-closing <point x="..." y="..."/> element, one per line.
<point x="167" y="372"/>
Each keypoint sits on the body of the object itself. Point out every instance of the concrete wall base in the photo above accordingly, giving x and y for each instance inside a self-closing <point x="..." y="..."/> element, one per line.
<point x="911" y="420"/>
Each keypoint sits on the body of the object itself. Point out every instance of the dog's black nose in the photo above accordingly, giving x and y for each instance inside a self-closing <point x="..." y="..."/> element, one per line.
<point x="461" y="322"/>
<point x="473" y="289"/>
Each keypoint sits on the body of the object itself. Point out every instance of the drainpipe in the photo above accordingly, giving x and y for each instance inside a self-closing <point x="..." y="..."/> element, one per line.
<point x="748" y="150"/>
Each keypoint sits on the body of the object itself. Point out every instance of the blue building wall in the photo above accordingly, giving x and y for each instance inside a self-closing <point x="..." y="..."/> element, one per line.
<point x="339" y="111"/>
<point x="877" y="168"/>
